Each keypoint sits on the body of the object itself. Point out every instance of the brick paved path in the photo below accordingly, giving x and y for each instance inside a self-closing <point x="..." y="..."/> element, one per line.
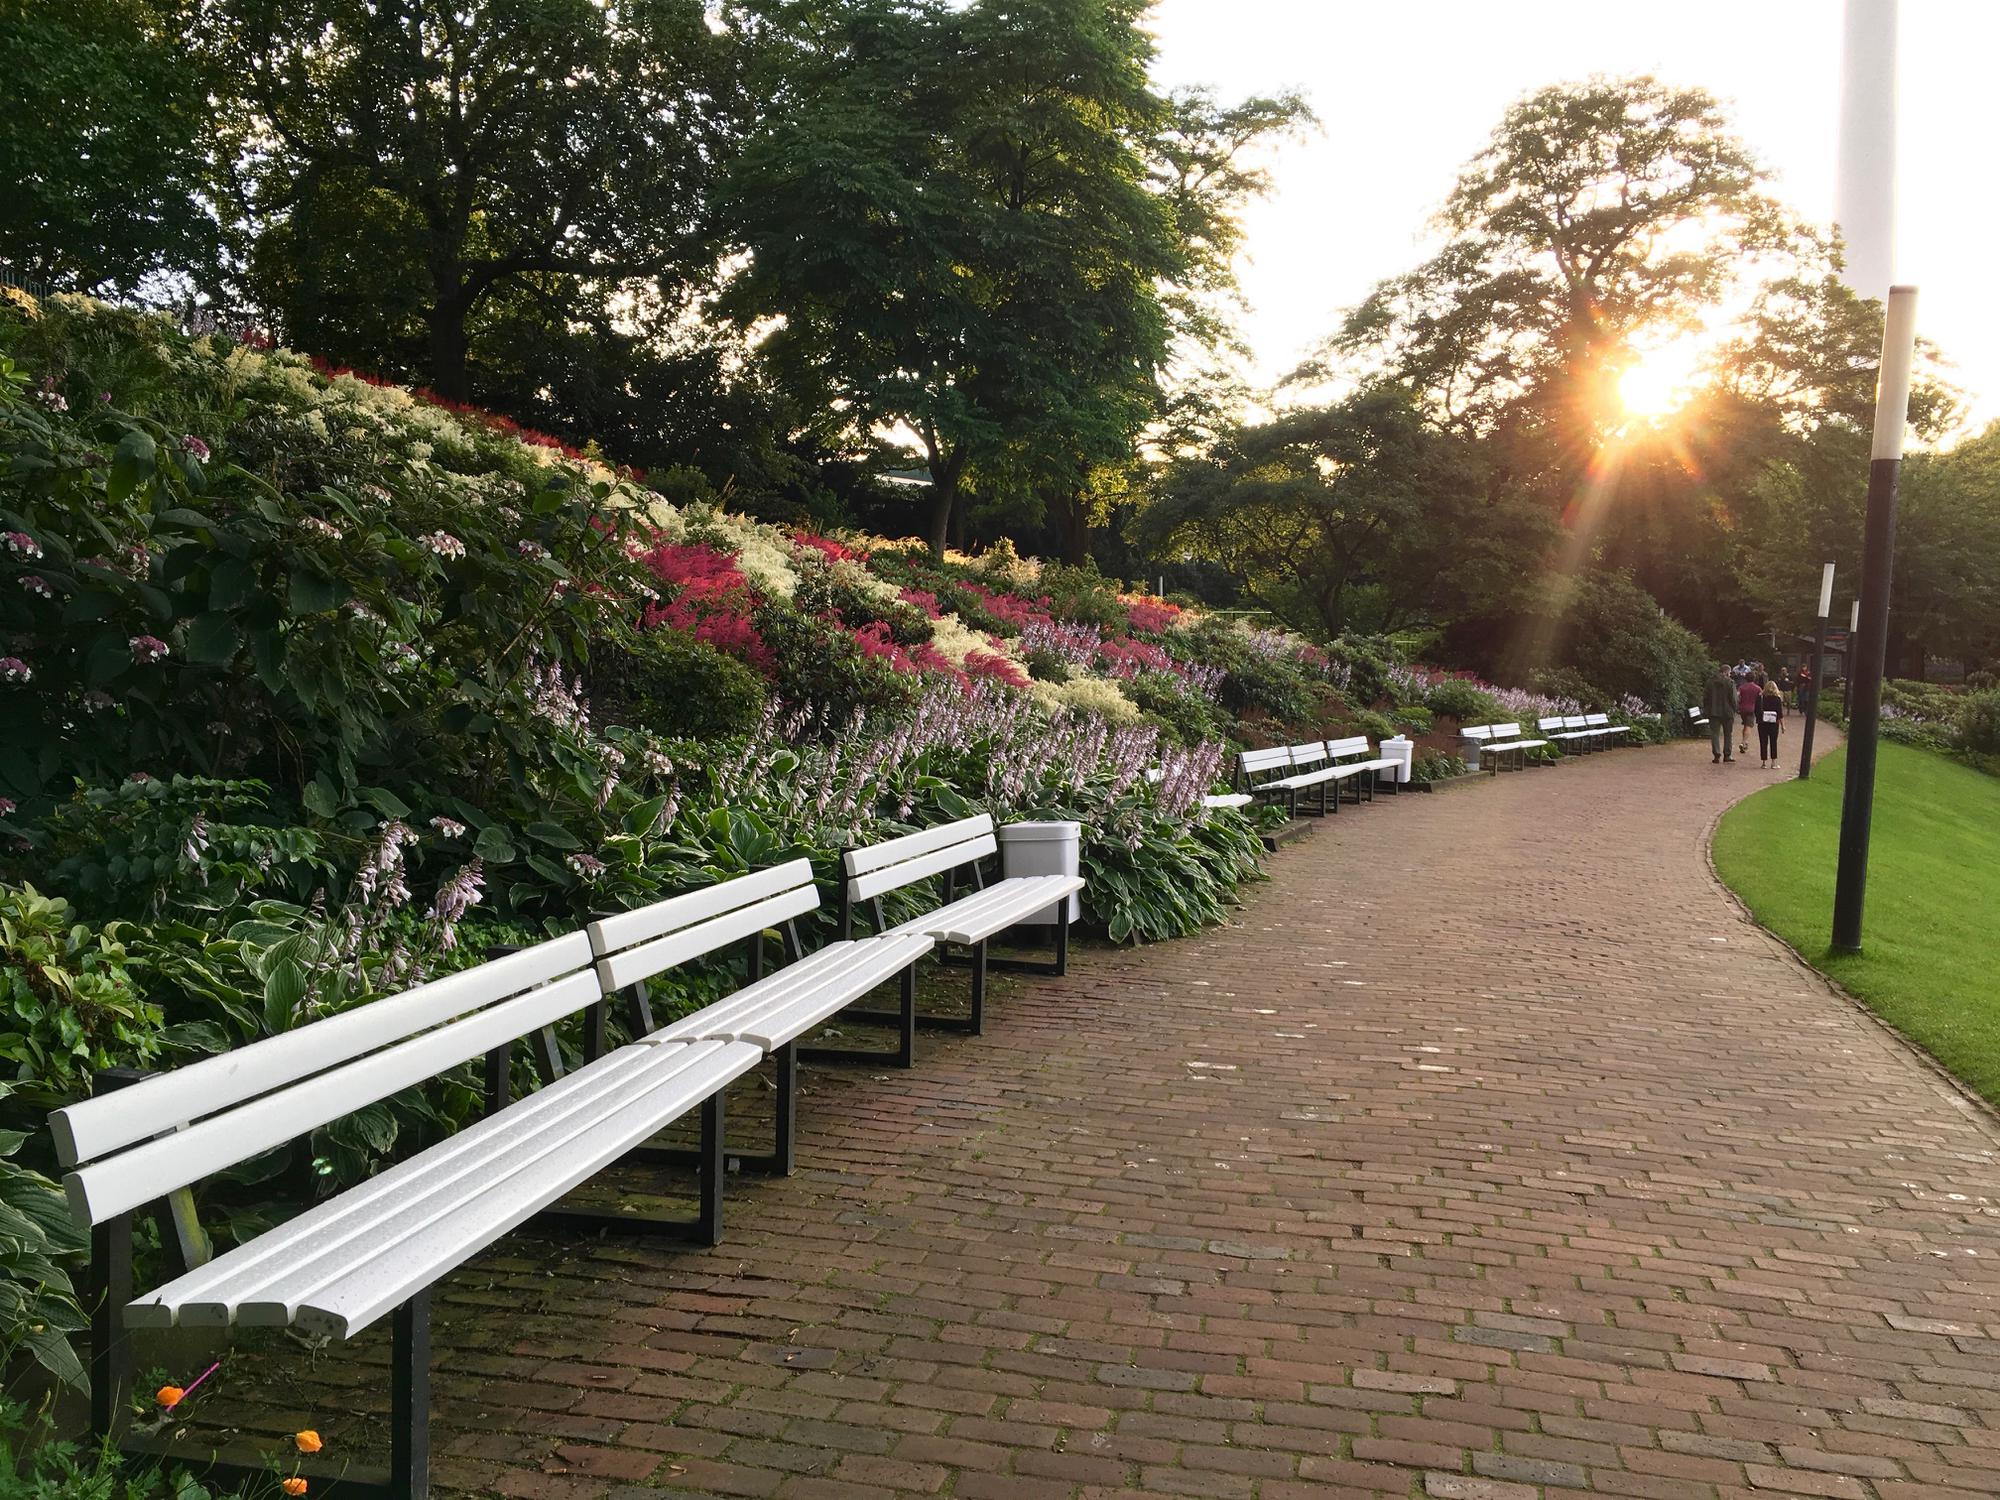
<point x="1491" y="1150"/>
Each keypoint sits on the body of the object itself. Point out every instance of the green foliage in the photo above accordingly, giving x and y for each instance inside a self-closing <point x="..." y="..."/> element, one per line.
<point x="67" y="1003"/>
<point x="1359" y="516"/>
<point x="39" y="1241"/>
<point x="1435" y="765"/>
<point x="1458" y="699"/>
<point x="674" y="684"/>
<point x="1187" y="717"/>
<point x="941" y="256"/>
<point x="1978" y="723"/>
<point x="37" y="1465"/>
<point x="828" y="668"/>
<point x="101" y="143"/>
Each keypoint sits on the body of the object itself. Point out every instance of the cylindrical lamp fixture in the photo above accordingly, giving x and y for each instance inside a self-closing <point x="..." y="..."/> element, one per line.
<point x="1826" y="592"/>
<point x="1870" y="644"/>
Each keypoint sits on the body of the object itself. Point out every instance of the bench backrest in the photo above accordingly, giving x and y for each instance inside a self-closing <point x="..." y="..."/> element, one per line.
<point x="1596" y="721"/>
<point x="638" y="944"/>
<point x="1694" y="713"/>
<point x="1348" y="748"/>
<point x="137" y="1144"/>
<point x="1276" y="758"/>
<point x="1556" y="721"/>
<point x="876" y="869"/>
<point x="1492" y="732"/>
<point x="1308" y="755"/>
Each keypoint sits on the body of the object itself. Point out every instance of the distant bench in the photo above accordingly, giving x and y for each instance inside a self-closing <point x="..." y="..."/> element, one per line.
<point x="1582" y="732"/>
<point x="1316" y="766"/>
<point x="1500" y="741"/>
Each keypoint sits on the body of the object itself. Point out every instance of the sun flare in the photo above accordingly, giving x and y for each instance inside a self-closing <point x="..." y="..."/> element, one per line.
<point x="1659" y="381"/>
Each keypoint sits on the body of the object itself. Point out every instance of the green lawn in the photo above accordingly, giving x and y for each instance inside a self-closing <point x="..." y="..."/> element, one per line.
<point x="1931" y="931"/>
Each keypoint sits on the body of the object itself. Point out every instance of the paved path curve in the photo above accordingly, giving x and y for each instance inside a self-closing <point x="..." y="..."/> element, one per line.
<point x="1490" y="1154"/>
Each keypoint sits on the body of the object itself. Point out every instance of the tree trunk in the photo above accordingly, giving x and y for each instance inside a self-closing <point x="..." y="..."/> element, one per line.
<point x="945" y="474"/>
<point x="1075" y="529"/>
<point x="448" y="351"/>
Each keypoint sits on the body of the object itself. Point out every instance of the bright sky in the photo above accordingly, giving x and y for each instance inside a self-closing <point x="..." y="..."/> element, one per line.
<point x="1407" y="91"/>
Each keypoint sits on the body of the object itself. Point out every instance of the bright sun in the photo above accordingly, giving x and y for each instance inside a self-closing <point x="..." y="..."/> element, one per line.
<point x="1659" y="382"/>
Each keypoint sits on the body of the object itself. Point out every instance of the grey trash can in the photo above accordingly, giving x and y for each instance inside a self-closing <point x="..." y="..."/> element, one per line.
<point x="1043" y="849"/>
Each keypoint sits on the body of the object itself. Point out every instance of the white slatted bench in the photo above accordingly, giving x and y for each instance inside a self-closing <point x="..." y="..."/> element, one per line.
<point x="1568" y="731"/>
<point x="1365" y="772"/>
<point x="1601" y="724"/>
<point x="1499" y="741"/>
<point x="375" y="1250"/>
<point x="967" y="922"/>
<point x="1288" y="770"/>
<point x="773" y="1010"/>
<point x="1697" y="719"/>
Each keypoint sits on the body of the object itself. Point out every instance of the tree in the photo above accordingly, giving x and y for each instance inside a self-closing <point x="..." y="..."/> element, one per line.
<point x="1600" y="217"/>
<point x="101" y="143"/>
<point x="950" y="233"/>
<point x="403" y="166"/>
<point x="1360" y="515"/>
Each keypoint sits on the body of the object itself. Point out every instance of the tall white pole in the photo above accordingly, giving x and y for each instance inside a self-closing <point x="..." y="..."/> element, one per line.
<point x="1864" y="200"/>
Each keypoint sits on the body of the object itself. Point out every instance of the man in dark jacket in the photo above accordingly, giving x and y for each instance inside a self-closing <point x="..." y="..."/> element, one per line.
<point x="1718" y="705"/>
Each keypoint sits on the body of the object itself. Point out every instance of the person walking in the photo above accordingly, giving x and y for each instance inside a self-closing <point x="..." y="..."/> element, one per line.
<point x="1718" y="706"/>
<point x="1770" y="715"/>
<point x="1749" y="693"/>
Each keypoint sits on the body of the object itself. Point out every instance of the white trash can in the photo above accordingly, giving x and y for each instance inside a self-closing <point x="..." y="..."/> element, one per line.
<point x="1043" y="849"/>
<point x="1402" y="750"/>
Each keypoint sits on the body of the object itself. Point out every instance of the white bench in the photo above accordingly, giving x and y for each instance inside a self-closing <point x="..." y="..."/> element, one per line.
<point x="1289" y="770"/>
<point x="1601" y="724"/>
<point x="969" y="921"/>
<point x="1498" y="741"/>
<point x="772" y="1011"/>
<point x="1697" y="719"/>
<point x="374" y="1250"/>
<point x="1570" y="732"/>
<point x="1365" y="772"/>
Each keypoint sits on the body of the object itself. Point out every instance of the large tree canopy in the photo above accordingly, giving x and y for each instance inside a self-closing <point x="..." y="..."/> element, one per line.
<point x="1600" y="217"/>
<point x="949" y="228"/>
<point x="406" y="166"/>
<point x="102" y="143"/>
<point x="1355" y="516"/>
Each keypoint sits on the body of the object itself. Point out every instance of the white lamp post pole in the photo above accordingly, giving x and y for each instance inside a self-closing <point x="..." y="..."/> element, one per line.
<point x="1871" y="643"/>
<point x="1809" y="699"/>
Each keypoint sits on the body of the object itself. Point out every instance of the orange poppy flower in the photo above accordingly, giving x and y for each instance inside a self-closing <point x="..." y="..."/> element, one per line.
<point x="292" y="1486"/>
<point x="307" y="1441"/>
<point x="169" y="1396"/>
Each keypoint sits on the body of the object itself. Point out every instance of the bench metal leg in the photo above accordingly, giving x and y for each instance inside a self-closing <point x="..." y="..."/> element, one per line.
<point x="410" y="1399"/>
<point x="110" y="1285"/>
<point x="903" y="1018"/>
<point x="710" y="1161"/>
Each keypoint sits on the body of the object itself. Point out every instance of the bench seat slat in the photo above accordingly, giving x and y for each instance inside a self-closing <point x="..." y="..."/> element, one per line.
<point x="536" y="1168"/>
<point x="160" y="1166"/>
<point x="617" y="970"/>
<point x="975" y="918"/>
<point x="880" y="959"/>
<point x="843" y="970"/>
<point x="886" y="878"/>
<point x="87" y="1130"/>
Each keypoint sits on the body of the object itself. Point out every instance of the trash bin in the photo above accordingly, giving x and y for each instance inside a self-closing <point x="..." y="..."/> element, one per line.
<point x="1402" y="750"/>
<point x="1043" y="849"/>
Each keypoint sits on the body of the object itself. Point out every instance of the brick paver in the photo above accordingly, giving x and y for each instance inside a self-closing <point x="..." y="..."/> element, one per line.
<point x="1489" y="1154"/>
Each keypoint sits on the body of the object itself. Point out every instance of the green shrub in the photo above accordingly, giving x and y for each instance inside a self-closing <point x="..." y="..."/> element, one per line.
<point x="1081" y="594"/>
<point x="1978" y="723"/>
<point x="1367" y="721"/>
<point x="1411" y="719"/>
<point x="1566" y="682"/>
<point x="674" y="685"/>
<point x="1187" y="718"/>
<point x="823" y="667"/>
<point x="1458" y="699"/>
<point x="67" y="1002"/>
<point x="39" y="1241"/>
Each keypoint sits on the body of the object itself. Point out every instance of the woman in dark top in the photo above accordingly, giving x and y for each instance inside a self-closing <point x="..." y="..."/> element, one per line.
<point x="1770" y="713"/>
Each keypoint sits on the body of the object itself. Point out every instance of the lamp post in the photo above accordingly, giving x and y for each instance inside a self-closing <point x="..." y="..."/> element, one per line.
<point x="1847" y="676"/>
<point x="1871" y="643"/>
<point x="1809" y="699"/>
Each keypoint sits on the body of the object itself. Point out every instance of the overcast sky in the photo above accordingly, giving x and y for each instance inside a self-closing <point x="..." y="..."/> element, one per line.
<point x="1407" y="91"/>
